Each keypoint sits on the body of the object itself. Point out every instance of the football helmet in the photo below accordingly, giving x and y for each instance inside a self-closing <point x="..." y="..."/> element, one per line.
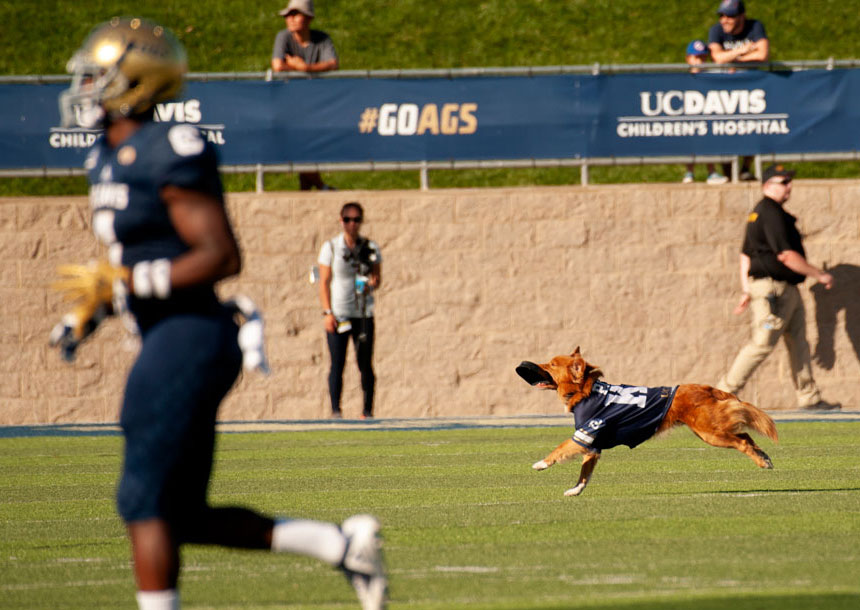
<point x="125" y="67"/>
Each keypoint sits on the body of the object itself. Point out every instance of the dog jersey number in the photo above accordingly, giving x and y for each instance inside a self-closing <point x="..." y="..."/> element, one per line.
<point x="620" y="415"/>
<point x="627" y="395"/>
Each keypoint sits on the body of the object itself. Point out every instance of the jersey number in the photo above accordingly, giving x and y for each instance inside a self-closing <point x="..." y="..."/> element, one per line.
<point x="628" y="395"/>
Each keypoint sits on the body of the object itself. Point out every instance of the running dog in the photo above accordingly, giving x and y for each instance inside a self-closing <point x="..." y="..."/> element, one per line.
<point x="610" y="415"/>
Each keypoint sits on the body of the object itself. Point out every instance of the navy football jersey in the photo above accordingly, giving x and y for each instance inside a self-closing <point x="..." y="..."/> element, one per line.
<point x="620" y="415"/>
<point x="129" y="215"/>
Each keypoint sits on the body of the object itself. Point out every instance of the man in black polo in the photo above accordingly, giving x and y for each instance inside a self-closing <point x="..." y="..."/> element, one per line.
<point x="772" y="264"/>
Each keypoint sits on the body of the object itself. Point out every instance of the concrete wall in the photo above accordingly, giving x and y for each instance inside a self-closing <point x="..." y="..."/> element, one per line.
<point x="643" y="277"/>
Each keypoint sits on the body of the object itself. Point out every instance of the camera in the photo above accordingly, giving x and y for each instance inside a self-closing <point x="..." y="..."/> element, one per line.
<point x="362" y="258"/>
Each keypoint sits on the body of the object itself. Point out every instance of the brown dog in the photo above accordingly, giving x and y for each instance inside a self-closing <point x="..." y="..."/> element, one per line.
<point x="609" y="415"/>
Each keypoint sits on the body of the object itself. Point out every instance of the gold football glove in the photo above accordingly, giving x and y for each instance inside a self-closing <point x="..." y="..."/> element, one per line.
<point x="91" y="288"/>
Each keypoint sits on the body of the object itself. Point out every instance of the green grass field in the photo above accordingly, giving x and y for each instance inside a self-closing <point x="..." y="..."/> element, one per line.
<point x="674" y="524"/>
<point x="233" y="35"/>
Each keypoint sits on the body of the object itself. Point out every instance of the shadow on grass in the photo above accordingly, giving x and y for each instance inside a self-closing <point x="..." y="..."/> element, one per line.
<point x="746" y="492"/>
<point x="789" y="601"/>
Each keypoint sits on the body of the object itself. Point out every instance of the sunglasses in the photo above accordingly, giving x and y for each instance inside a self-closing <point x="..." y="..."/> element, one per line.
<point x="784" y="181"/>
<point x="348" y="219"/>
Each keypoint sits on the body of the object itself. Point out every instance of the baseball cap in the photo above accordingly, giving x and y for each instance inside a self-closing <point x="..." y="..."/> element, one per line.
<point x="774" y="171"/>
<point x="731" y="8"/>
<point x="306" y="7"/>
<point x="697" y="47"/>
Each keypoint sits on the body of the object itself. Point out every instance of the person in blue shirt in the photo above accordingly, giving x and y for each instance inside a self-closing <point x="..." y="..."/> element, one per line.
<point x="158" y="205"/>
<point x="736" y="39"/>
<point x="698" y="54"/>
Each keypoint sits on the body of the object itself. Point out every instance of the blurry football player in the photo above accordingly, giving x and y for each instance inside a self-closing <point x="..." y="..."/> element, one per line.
<point x="158" y="204"/>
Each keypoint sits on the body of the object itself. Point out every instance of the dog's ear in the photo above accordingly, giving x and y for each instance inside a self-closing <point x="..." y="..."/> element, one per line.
<point x="577" y="369"/>
<point x="575" y="352"/>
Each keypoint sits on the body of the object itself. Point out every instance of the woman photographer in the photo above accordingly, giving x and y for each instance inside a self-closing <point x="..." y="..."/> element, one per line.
<point x="350" y="269"/>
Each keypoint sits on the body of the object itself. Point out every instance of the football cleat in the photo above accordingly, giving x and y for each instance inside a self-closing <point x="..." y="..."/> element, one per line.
<point x="362" y="562"/>
<point x="123" y="69"/>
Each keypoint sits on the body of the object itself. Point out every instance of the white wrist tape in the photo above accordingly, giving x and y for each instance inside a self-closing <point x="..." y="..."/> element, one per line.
<point x="251" y="337"/>
<point x="151" y="279"/>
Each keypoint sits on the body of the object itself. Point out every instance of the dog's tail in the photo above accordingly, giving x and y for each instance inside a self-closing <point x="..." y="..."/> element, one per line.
<point x="748" y="415"/>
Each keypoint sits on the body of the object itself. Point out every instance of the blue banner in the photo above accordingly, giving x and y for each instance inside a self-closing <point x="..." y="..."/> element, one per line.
<point x="744" y="113"/>
<point x="479" y="118"/>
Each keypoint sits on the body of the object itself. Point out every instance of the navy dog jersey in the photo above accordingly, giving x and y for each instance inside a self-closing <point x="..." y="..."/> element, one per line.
<point x="129" y="215"/>
<point x="620" y="415"/>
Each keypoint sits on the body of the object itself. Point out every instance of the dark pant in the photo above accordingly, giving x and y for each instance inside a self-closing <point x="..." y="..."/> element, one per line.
<point x="186" y="366"/>
<point x="337" y="347"/>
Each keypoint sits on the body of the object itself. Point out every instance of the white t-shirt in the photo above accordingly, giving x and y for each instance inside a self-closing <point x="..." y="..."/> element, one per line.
<point x="344" y="303"/>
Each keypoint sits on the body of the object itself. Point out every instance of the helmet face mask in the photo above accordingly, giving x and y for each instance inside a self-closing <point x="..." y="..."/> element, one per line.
<point x="124" y="68"/>
<point x="80" y="104"/>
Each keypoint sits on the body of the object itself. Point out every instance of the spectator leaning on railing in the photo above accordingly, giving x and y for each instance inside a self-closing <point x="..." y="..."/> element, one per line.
<point x="298" y="48"/>
<point x="736" y="39"/>
<point x="697" y="54"/>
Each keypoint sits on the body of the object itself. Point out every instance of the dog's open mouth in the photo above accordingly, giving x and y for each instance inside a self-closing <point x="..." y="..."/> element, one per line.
<point x="535" y="376"/>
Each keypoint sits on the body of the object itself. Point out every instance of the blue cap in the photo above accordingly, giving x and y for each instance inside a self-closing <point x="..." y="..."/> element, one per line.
<point x="731" y="8"/>
<point x="697" y="47"/>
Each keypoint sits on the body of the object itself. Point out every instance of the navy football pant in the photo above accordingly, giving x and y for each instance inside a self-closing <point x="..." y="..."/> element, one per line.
<point x="186" y="366"/>
<point x="337" y="347"/>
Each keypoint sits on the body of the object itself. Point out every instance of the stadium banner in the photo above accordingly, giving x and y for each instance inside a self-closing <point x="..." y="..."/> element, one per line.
<point x="474" y="118"/>
<point x="711" y="113"/>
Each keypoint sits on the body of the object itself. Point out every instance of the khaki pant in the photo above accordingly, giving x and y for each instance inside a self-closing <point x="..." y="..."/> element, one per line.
<point x="788" y="321"/>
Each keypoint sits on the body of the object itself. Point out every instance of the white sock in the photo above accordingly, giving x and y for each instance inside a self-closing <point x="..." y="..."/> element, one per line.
<point x="158" y="600"/>
<point x="318" y="539"/>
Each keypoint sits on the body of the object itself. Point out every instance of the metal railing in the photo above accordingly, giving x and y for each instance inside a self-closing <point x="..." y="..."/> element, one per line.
<point x="595" y="68"/>
<point x="424" y="167"/>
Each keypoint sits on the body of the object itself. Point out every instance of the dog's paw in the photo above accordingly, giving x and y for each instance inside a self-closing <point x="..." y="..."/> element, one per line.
<point x="575" y="491"/>
<point x="765" y="460"/>
<point x="542" y="465"/>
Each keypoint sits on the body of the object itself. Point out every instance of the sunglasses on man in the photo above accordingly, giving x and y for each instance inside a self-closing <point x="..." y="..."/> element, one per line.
<point x="349" y="219"/>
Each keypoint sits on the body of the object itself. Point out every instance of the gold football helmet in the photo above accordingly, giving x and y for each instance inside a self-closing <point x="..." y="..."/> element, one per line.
<point x="125" y="67"/>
